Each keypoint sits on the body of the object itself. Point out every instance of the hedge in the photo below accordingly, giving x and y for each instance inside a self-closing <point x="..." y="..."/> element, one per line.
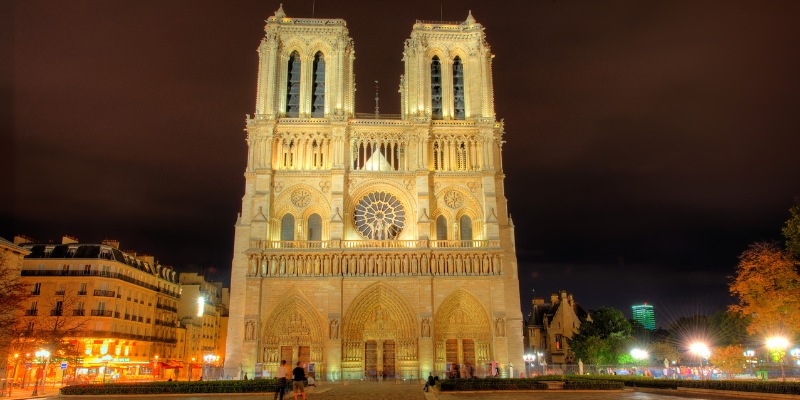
<point x="774" y="387"/>
<point x="249" y="386"/>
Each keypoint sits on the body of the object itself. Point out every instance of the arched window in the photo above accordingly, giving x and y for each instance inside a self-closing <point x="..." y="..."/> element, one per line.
<point x="293" y="86"/>
<point x="436" y="88"/>
<point x="314" y="227"/>
<point x="318" y="92"/>
<point x="458" y="88"/>
<point x="287" y="227"/>
<point x="466" y="228"/>
<point x="441" y="228"/>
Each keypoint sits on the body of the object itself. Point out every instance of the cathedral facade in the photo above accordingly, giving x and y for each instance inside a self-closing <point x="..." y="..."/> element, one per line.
<point x="374" y="242"/>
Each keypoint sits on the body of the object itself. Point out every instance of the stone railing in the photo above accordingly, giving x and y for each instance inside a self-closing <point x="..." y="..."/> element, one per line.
<point x="256" y="245"/>
<point x="388" y="262"/>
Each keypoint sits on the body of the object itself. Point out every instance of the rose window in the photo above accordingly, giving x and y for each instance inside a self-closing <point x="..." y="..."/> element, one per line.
<point x="379" y="216"/>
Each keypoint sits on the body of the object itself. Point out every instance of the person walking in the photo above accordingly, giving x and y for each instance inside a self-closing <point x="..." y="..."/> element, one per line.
<point x="430" y="382"/>
<point x="298" y="376"/>
<point x="281" y="375"/>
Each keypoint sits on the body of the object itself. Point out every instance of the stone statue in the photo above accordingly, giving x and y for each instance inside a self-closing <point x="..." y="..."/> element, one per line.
<point x="426" y="328"/>
<point x="334" y="329"/>
<point x="249" y="331"/>
<point x="500" y="327"/>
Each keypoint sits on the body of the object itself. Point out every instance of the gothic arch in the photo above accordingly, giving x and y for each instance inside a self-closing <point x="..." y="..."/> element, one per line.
<point x="471" y="206"/>
<point x="379" y="312"/>
<point x="294" y="321"/>
<point x="462" y="319"/>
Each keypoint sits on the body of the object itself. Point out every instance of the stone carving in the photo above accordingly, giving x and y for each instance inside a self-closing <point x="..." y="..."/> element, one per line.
<point x="426" y="328"/>
<point x="249" y="331"/>
<point x="301" y="197"/>
<point x="278" y="186"/>
<point x="379" y="216"/>
<point x="409" y="182"/>
<point x="474" y="186"/>
<point x="324" y="185"/>
<point x="454" y="199"/>
<point x="500" y="327"/>
<point x="334" y="329"/>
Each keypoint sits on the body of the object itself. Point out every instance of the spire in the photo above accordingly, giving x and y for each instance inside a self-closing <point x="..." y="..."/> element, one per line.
<point x="280" y="14"/>
<point x="470" y="18"/>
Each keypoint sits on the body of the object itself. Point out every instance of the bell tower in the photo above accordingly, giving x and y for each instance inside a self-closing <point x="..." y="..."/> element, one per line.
<point x="448" y="71"/>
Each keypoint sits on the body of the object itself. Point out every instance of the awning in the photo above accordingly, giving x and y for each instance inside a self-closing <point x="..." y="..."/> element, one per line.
<point x="170" y="364"/>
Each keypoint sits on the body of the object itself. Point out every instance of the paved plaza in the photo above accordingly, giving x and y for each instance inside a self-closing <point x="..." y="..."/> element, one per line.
<point x="408" y="391"/>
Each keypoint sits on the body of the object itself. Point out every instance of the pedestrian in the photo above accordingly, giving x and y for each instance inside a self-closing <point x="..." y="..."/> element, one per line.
<point x="281" y="375"/>
<point x="298" y="376"/>
<point x="245" y="376"/>
<point x="430" y="382"/>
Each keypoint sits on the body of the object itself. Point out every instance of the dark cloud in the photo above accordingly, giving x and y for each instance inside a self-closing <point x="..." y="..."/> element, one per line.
<point x="647" y="142"/>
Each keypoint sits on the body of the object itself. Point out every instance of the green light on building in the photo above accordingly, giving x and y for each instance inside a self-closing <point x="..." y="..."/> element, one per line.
<point x="644" y="315"/>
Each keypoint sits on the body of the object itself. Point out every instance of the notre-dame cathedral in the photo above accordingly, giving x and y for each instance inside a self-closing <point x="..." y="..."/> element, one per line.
<point x="374" y="242"/>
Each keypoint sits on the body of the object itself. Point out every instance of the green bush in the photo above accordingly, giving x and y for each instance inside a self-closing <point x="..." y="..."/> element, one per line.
<point x="250" y="386"/>
<point x="581" y="384"/>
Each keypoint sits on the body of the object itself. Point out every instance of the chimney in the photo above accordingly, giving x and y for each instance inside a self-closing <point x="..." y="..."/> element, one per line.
<point x="554" y="298"/>
<point x="22" y="239"/>
<point x="538" y="301"/>
<point x="112" y="243"/>
<point x="67" y="239"/>
<point x="148" y="259"/>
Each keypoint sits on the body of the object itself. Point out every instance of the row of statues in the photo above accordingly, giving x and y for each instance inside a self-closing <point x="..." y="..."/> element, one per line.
<point x="375" y="264"/>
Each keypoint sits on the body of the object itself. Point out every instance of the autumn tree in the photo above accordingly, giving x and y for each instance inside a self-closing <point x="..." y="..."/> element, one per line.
<point x="63" y="318"/>
<point x="729" y="359"/>
<point x="766" y="285"/>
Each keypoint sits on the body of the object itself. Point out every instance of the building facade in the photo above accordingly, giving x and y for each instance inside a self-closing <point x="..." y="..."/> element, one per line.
<point x="548" y="327"/>
<point x="108" y="314"/>
<point x="645" y="315"/>
<point x="371" y="243"/>
<point x="203" y="313"/>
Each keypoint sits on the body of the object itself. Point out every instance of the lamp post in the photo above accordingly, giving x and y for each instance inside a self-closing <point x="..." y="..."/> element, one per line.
<point x="42" y="356"/>
<point x="542" y="361"/>
<point x="190" y="369"/>
<point x="106" y="358"/>
<point x="778" y="346"/>
<point x="701" y="350"/>
<point x="528" y="363"/>
<point x="209" y="358"/>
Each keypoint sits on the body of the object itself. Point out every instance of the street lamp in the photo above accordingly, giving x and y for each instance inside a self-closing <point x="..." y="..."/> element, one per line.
<point x="528" y="363"/>
<point x="209" y="358"/>
<point x="701" y="350"/>
<point x="190" y="369"/>
<point x="541" y="361"/>
<point x="42" y="356"/>
<point x="106" y="358"/>
<point x="777" y="346"/>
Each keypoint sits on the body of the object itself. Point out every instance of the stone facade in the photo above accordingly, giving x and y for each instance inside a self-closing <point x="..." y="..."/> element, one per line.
<point x="549" y="325"/>
<point x="373" y="242"/>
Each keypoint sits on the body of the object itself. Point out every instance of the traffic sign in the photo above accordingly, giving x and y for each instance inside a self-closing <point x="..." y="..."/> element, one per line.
<point x="27" y="365"/>
<point x="63" y="365"/>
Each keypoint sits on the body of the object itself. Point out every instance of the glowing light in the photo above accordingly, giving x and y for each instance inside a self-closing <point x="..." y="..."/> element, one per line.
<point x="777" y="342"/>
<point x="639" y="354"/>
<point x="700" y="349"/>
<point x="200" y="303"/>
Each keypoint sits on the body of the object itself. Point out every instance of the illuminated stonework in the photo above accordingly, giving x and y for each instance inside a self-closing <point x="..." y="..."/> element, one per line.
<point x="374" y="242"/>
<point x="379" y="216"/>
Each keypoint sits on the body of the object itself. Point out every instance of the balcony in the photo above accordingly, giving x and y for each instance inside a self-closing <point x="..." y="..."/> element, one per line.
<point x="103" y="274"/>
<point x="82" y="293"/>
<point x="104" y="293"/>
<point x="35" y="292"/>
<point x="116" y="314"/>
<point x="31" y="313"/>
<point x="60" y="292"/>
<point x="56" y="313"/>
<point x="166" y="307"/>
<point x="78" y="313"/>
<point x="127" y="316"/>
<point x="102" y="313"/>
<point x="141" y="319"/>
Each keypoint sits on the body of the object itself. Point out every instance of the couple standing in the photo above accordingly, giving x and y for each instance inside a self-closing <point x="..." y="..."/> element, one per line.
<point x="298" y="376"/>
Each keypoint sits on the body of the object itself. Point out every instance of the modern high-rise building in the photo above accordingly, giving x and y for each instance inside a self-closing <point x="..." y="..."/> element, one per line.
<point x="374" y="242"/>
<point x="644" y="315"/>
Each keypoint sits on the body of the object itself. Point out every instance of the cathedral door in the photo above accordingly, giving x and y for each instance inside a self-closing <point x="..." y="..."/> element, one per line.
<point x="286" y="354"/>
<point x="469" y="356"/>
<point x="304" y="356"/>
<point x="388" y="357"/>
<point x="371" y="358"/>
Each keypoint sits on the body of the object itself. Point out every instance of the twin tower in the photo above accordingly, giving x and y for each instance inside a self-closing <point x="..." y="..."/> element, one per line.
<point x="374" y="243"/>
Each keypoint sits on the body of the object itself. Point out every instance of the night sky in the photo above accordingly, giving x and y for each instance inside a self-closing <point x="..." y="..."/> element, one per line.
<point x="648" y="142"/>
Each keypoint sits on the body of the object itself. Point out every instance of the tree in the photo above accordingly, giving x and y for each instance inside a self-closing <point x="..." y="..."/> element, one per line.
<point x="729" y="359"/>
<point x="13" y="294"/>
<point x="664" y="350"/>
<point x="791" y="231"/>
<point x="61" y="320"/>
<point x="728" y="328"/>
<point x="603" y="338"/>
<point x="766" y="284"/>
